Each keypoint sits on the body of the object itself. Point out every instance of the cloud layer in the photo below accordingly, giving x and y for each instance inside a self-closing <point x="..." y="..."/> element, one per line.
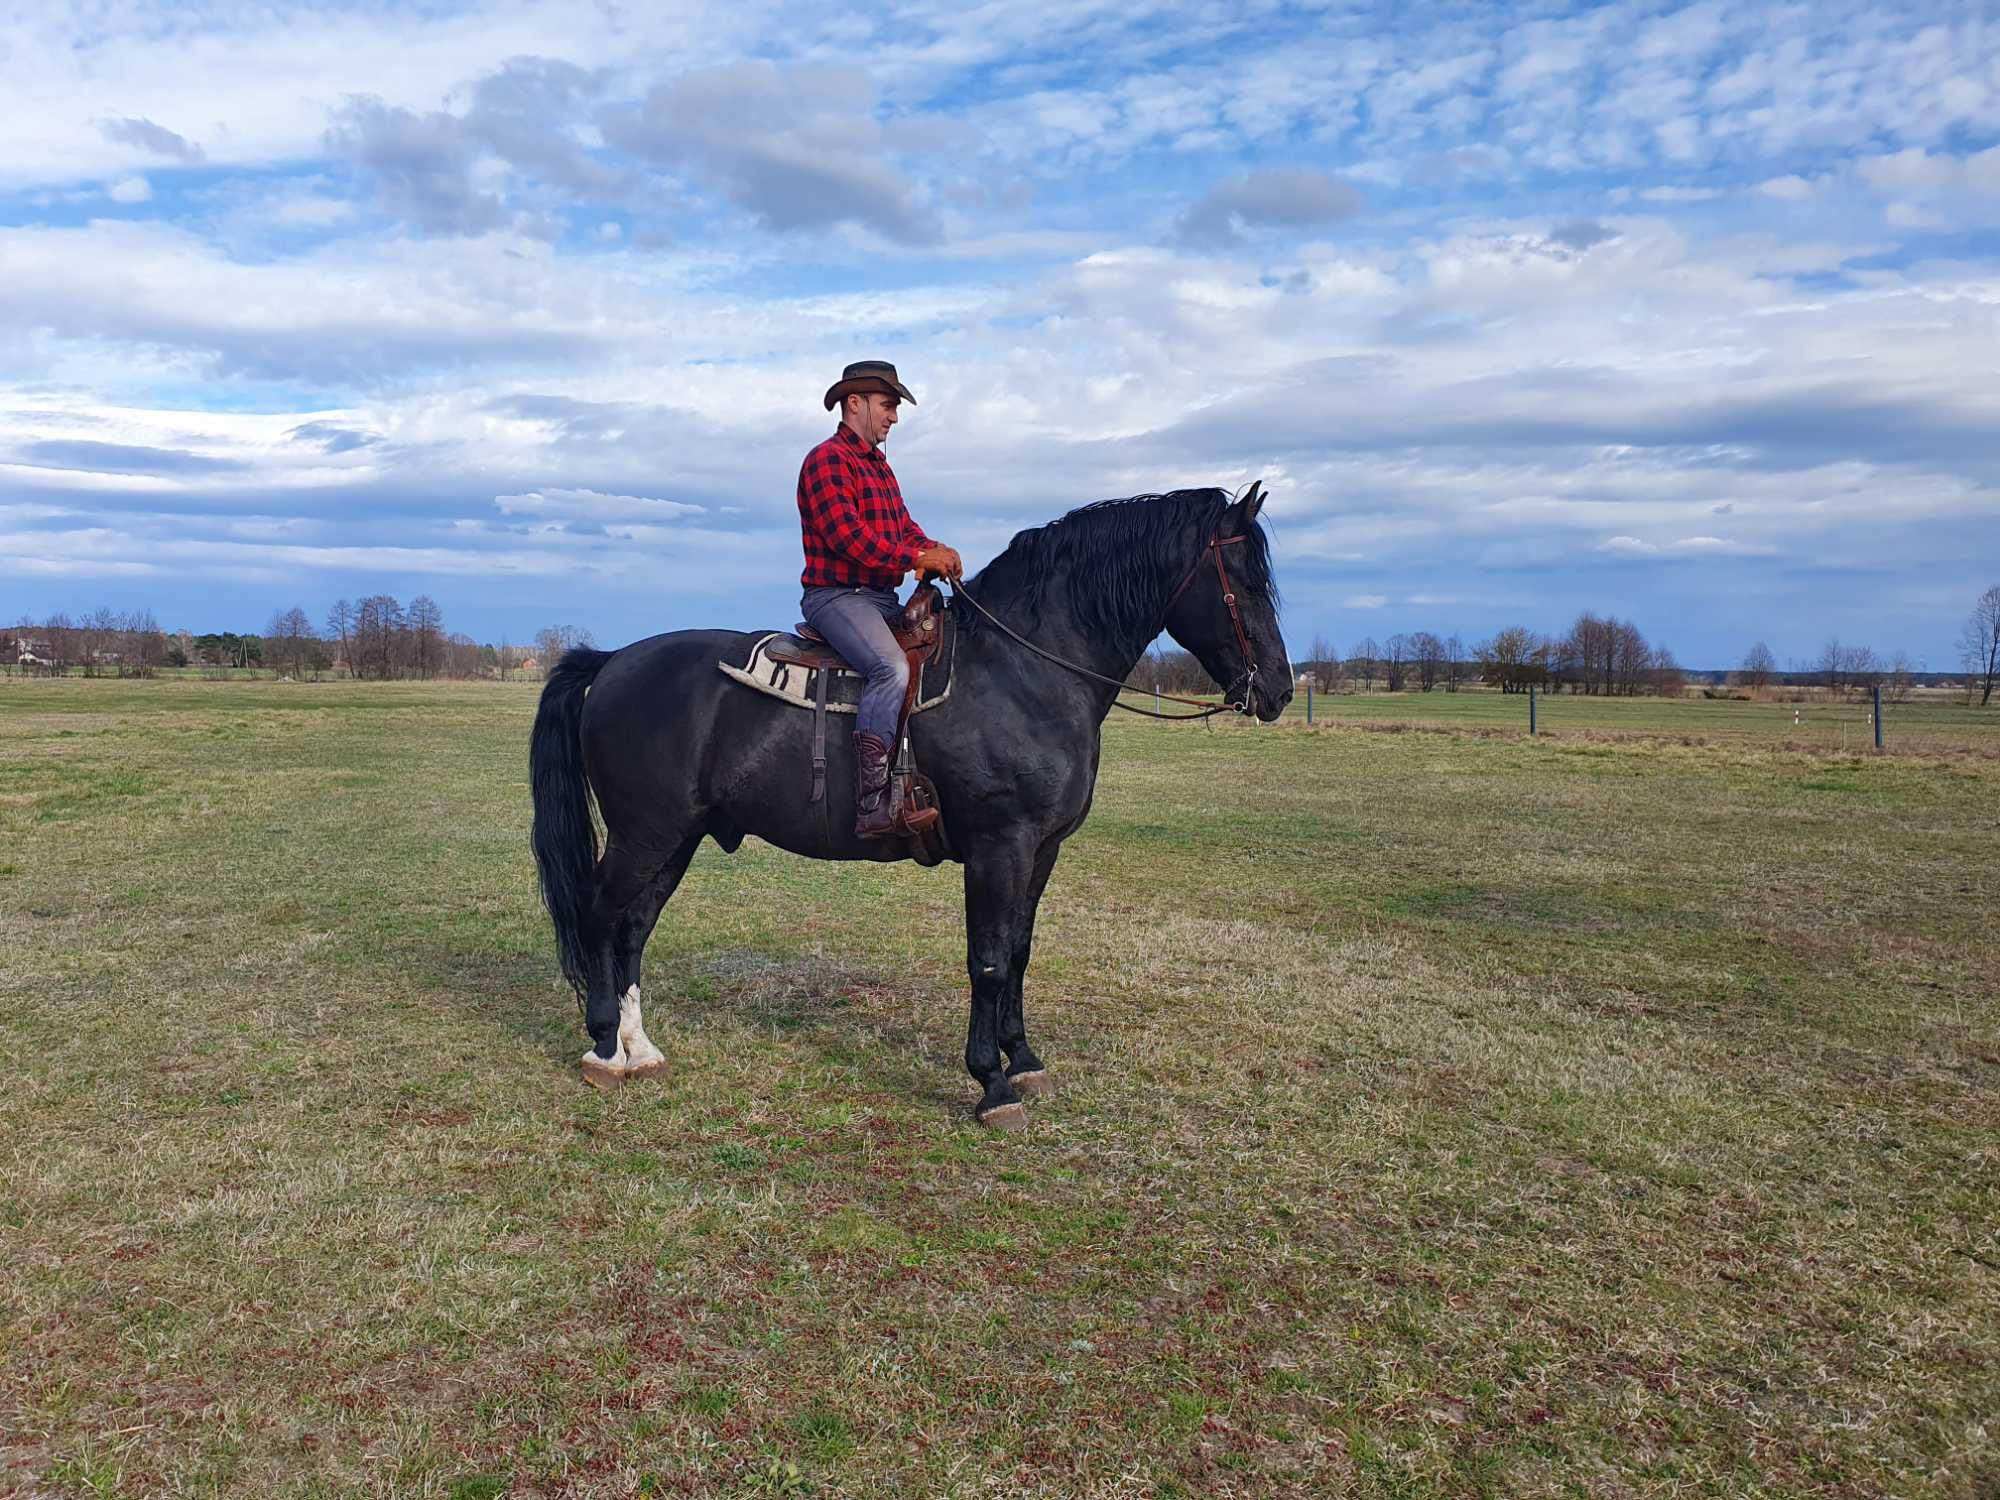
<point x="1678" y="310"/>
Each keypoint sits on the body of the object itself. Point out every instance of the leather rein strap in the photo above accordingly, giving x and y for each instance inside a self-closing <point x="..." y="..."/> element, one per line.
<point x="1212" y="548"/>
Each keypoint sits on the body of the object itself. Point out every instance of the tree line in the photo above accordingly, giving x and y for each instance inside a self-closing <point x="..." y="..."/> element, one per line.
<point x="1598" y="655"/>
<point x="376" y="637"/>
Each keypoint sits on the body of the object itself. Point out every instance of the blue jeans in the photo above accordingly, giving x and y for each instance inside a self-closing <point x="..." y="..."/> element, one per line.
<point x="855" y="622"/>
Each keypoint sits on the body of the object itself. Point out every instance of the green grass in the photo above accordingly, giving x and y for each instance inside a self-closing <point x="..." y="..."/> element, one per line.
<point x="1932" y="721"/>
<point x="1443" y="1113"/>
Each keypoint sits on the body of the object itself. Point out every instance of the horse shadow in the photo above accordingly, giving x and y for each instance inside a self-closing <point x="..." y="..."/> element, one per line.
<point x="844" y="1008"/>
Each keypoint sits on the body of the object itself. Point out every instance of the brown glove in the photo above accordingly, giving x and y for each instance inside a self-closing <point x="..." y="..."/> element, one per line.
<point x="938" y="558"/>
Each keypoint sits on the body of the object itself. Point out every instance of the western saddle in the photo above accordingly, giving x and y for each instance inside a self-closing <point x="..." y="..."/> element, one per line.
<point x="918" y="634"/>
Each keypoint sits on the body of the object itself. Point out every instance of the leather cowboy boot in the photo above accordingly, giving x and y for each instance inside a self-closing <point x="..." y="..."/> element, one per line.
<point x="874" y="807"/>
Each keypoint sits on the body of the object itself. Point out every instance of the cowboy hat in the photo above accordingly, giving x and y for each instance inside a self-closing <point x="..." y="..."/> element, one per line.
<point x="868" y="375"/>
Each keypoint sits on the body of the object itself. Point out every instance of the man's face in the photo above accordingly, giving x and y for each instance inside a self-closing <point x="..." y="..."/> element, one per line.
<point x="873" y="416"/>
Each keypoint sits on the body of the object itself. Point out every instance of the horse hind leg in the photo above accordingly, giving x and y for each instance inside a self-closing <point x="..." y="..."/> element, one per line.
<point x="622" y="878"/>
<point x="642" y="1058"/>
<point x="633" y="1054"/>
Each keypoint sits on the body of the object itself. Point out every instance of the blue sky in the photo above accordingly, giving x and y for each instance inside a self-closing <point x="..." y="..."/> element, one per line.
<point x="1686" y="312"/>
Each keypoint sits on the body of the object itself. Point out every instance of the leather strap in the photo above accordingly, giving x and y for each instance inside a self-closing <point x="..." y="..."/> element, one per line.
<point x="819" y="733"/>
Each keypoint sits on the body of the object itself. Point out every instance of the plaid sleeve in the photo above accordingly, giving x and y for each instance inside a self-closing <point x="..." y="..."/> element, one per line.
<point x="831" y="501"/>
<point x="905" y="523"/>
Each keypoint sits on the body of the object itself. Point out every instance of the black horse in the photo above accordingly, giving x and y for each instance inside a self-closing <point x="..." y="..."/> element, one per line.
<point x="675" y="751"/>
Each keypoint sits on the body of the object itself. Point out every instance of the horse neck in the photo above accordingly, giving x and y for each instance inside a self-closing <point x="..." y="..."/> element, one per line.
<point x="1058" y="627"/>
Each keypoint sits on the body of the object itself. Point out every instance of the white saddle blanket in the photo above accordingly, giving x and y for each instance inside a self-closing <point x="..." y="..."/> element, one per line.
<point x="793" y="683"/>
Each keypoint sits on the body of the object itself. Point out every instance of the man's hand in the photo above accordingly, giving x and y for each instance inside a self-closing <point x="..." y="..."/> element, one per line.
<point x="938" y="558"/>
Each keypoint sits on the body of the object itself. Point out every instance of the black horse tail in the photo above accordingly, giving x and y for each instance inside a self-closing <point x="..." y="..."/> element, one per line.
<point x="564" y="837"/>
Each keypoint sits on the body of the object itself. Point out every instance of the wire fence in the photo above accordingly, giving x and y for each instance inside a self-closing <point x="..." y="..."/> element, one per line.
<point x="1934" y="721"/>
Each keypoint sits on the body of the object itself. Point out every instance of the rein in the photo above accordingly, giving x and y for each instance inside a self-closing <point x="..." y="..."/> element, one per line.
<point x="1213" y="548"/>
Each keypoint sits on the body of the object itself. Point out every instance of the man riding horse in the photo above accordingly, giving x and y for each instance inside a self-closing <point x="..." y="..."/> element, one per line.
<point x="859" y="542"/>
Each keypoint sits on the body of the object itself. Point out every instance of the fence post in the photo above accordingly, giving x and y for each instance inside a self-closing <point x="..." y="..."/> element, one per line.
<point x="1309" y="700"/>
<point x="1878" y="717"/>
<point x="1531" y="708"/>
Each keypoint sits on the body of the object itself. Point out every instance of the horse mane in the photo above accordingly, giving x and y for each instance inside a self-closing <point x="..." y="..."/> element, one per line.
<point x="1116" y="561"/>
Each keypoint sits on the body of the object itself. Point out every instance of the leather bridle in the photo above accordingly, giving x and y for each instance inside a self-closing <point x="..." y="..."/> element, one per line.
<point x="1212" y="548"/>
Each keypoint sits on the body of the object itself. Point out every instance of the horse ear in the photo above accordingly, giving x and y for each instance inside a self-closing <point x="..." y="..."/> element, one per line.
<point x="1251" y="503"/>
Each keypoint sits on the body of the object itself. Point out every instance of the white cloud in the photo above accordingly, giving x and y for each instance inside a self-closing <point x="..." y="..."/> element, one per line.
<point x="1913" y="170"/>
<point x="310" y="211"/>
<point x="1687" y="546"/>
<point x="129" y="190"/>
<point x="1790" y="188"/>
<point x="590" y="505"/>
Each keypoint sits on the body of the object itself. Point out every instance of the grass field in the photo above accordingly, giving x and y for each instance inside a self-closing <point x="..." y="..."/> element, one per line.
<point x="1933" y="722"/>
<point x="1437" y="1114"/>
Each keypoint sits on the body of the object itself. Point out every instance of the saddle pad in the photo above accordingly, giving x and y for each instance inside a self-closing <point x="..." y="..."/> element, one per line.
<point x="793" y="684"/>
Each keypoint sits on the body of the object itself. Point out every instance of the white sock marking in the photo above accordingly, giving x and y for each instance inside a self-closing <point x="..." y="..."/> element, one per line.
<point x="632" y="1038"/>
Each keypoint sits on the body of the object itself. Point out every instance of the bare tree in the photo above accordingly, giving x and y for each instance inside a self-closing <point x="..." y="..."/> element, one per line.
<point x="1362" y="662"/>
<point x="1561" y="666"/>
<point x="1512" y="660"/>
<point x="1862" y="669"/>
<point x="291" y="638"/>
<point x="97" y="640"/>
<point x="1758" y="668"/>
<point x="378" y="637"/>
<point x="1668" y="680"/>
<point x="1831" y="665"/>
<point x="58" y="644"/>
<point x="1396" y="660"/>
<point x="1592" y="650"/>
<point x="1900" y="677"/>
<point x="1428" y="654"/>
<point x="148" y="642"/>
<point x="1454" y="662"/>
<point x="461" y="655"/>
<point x="552" y="640"/>
<point x="340" y="629"/>
<point x="1631" y="659"/>
<point x="1323" y="662"/>
<point x="426" y="627"/>
<point x="1169" y="671"/>
<point x="1979" y="644"/>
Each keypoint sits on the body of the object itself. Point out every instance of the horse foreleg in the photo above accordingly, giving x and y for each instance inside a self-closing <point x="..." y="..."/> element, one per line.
<point x="1024" y="1068"/>
<point x="997" y="879"/>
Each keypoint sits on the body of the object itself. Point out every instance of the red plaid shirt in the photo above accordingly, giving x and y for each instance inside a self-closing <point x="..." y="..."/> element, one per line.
<point x="857" y="533"/>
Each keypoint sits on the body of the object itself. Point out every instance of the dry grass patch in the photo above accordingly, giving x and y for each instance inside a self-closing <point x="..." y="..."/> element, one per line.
<point x="1435" y="1116"/>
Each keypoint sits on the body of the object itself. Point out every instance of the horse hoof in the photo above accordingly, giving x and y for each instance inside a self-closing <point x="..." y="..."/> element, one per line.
<point x="652" y="1068"/>
<point x="1033" y="1085"/>
<point x="602" y="1075"/>
<point x="1005" y="1117"/>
